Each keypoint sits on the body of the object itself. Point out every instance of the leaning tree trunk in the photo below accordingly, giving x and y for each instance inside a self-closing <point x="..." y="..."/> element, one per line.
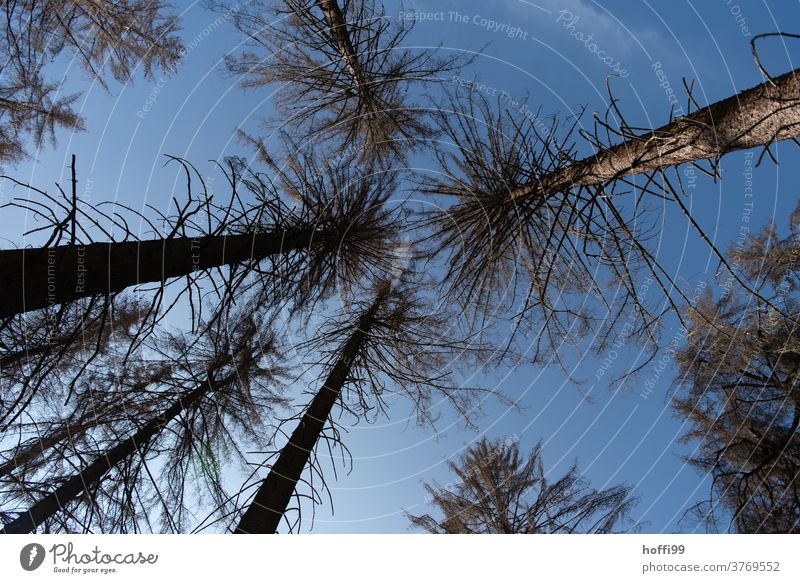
<point x="45" y="276"/>
<point x="57" y="345"/>
<point x="338" y="30"/>
<point x="274" y="494"/>
<point x="28" y="452"/>
<point x="754" y="118"/>
<point x="9" y="359"/>
<point x="91" y="474"/>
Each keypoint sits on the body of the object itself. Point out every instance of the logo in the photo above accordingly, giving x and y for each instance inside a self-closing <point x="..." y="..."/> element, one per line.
<point x="31" y="556"/>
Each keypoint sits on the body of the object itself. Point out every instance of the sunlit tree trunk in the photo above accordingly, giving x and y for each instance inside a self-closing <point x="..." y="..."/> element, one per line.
<point x="754" y="118"/>
<point x="338" y="30"/>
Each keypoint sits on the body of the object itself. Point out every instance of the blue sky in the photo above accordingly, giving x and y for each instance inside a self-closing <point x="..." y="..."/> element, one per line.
<point x="617" y="435"/>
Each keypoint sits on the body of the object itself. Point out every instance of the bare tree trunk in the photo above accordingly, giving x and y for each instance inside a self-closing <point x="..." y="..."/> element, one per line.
<point x="275" y="492"/>
<point x="26" y="453"/>
<point x="11" y="358"/>
<point x="753" y="118"/>
<point x="37" y="278"/>
<point x="338" y="29"/>
<point x="91" y="475"/>
<point x="57" y="344"/>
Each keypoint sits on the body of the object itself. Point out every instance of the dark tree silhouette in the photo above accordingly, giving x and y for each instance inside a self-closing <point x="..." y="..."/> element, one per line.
<point x="344" y="72"/>
<point x="197" y="392"/>
<point x="335" y="219"/>
<point x="105" y="37"/>
<point x="393" y="343"/>
<point x="50" y="387"/>
<point x="738" y="389"/>
<point x="44" y="354"/>
<point x="336" y="227"/>
<point x="498" y="491"/>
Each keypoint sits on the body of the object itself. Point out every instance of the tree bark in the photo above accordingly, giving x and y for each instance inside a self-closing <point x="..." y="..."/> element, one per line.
<point x="275" y="492"/>
<point x="36" y="278"/>
<point x="338" y="29"/>
<point x="91" y="475"/>
<point x="753" y="118"/>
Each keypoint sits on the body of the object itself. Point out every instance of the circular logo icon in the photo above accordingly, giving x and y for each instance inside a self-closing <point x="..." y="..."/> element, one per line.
<point x="31" y="556"/>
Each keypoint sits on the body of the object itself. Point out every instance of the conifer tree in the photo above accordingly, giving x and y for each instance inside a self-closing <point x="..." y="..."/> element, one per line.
<point x="496" y="490"/>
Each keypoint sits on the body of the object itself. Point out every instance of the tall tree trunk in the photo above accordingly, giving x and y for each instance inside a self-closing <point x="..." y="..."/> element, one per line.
<point x="753" y="118"/>
<point x="338" y="29"/>
<point x="275" y="492"/>
<point x="37" y="278"/>
<point x="91" y="474"/>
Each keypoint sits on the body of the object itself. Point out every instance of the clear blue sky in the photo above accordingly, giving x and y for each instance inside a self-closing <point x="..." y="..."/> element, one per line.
<point x="617" y="437"/>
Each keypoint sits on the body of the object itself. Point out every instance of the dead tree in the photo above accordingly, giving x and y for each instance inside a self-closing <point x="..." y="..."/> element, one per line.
<point x="50" y="433"/>
<point x="321" y="226"/>
<point x="752" y="119"/>
<point x="393" y="343"/>
<point x="537" y="228"/>
<point x="44" y="354"/>
<point x="737" y="389"/>
<point x="105" y="37"/>
<point x="227" y="375"/>
<point x="344" y="72"/>
<point x="538" y="259"/>
<point x="339" y="215"/>
<point x="109" y="268"/>
<point x="274" y="494"/>
<point x="497" y="491"/>
<point x="202" y="236"/>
